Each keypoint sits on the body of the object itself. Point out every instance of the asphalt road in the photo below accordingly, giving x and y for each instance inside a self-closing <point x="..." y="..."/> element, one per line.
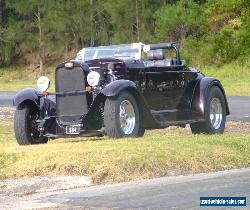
<point x="180" y="192"/>
<point x="239" y="106"/>
<point x="6" y="99"/>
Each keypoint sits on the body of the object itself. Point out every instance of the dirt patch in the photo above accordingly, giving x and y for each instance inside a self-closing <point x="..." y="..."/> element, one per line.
<point x="231" y="128"/>
<point x="6" y="114"/>
<point x="238" y="127"/>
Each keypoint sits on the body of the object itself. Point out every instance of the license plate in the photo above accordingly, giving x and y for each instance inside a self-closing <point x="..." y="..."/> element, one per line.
<point x="72" y="129"/>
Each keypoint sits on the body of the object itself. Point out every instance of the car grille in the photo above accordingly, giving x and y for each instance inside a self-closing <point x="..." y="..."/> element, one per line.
<point x="70" y="107"/>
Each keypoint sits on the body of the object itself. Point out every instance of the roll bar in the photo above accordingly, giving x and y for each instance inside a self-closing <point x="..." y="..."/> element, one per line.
<point x="167" y="46"/>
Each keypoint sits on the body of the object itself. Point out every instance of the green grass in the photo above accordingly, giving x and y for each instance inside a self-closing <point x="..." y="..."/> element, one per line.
<point x="15" y="85"/>
<point x="235" y="79"/>
<point x="159" y="153"/>
<point x="15" y="78"/>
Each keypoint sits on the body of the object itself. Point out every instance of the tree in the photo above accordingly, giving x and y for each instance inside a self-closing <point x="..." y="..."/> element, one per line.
<point x="178" y="21"/>
<point x="7" y="44"/>
<point x="3" y="13"/>
<point x="38" y="22"/>
<point x="50" y="31"/>
<point x="132" y="21"/>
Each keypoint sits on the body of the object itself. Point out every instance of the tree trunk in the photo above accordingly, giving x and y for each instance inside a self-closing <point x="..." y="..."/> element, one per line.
<point x="137" y="21"/>
<point x="40" y="43"/>
<point x="91" y="24"/>
<point x="3" y="13"/>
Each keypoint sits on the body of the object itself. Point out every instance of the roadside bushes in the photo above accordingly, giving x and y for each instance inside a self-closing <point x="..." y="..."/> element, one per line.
<point x="213" y="33"/>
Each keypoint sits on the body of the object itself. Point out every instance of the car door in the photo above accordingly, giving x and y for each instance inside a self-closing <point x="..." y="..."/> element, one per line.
<point x="168" y="91"/>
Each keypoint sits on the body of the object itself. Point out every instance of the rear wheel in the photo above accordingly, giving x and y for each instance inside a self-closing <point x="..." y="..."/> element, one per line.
<point x="25" y="125"/>
<point x="215" y="113"/>
<point x="122" y="117"/>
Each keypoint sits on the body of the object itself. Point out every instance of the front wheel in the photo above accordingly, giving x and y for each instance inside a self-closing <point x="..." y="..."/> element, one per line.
<point x="122" y="117"/>
<point x="215" y="113"/>
<point x="25" y="125"/>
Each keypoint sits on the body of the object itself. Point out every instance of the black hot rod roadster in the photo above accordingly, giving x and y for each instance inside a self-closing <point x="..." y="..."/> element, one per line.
<point x="120" y="90"/>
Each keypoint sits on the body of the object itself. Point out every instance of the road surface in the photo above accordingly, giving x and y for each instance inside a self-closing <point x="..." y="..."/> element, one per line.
<point x="6" y="99"/>
<point x="180" y="192"/>
<point x="239" y="106"/>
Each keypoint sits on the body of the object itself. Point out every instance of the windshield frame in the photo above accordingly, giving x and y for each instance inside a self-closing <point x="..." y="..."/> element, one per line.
<point x="122" y="51"/>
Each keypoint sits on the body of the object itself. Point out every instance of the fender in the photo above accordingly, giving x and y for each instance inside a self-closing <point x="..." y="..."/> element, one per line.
<point x="114" y="88"/>
<point x="29" y="94"/>
<point x="111" y="90"/>
<point x="202" y="87"/>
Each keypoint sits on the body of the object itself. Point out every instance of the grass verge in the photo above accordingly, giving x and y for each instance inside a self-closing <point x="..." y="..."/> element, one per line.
<point x="235" y="78"/>
<point x="162" y="152"/>
<point x="16" y="78"/>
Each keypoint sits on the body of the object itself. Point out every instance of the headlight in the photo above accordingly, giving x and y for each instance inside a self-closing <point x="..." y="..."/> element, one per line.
<point x="43" y="83"/>
<point x="93" y="78"/>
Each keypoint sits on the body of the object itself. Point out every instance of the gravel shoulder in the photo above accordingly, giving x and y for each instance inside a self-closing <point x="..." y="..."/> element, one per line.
<point x="7" y="114"/>
<point x="39" y="184"/>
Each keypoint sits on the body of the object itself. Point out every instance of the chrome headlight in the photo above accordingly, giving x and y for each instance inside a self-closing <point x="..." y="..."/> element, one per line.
<point x="93" y="78"/>
<point x="43" y="83"/>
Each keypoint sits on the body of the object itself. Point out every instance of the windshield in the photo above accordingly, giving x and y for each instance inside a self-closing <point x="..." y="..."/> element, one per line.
<point x="113" y="51"/>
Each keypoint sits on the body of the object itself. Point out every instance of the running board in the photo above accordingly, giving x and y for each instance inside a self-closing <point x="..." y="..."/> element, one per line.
<point x="83" y="134"/>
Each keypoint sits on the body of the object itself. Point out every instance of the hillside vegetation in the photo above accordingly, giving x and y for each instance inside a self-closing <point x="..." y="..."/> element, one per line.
<point x="41" y="33"/>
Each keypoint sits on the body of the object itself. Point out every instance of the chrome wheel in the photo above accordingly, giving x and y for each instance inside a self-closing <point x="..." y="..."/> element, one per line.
<point x="215" y="113"/>
<point x="127" y="117"/>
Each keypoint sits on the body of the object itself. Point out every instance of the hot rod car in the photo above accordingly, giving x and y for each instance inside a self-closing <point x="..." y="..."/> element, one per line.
<point x="120" y="90"/>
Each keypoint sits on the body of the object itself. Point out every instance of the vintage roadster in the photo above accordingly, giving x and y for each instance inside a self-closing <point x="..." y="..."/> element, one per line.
<point x="120" y="90"/>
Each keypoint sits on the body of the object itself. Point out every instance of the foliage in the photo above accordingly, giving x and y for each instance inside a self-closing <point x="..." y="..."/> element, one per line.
<point x="178" y="21"/>
<point x="131" y="21"/>
<point x="50" y="31"/>
<point x="229" y="27"/>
